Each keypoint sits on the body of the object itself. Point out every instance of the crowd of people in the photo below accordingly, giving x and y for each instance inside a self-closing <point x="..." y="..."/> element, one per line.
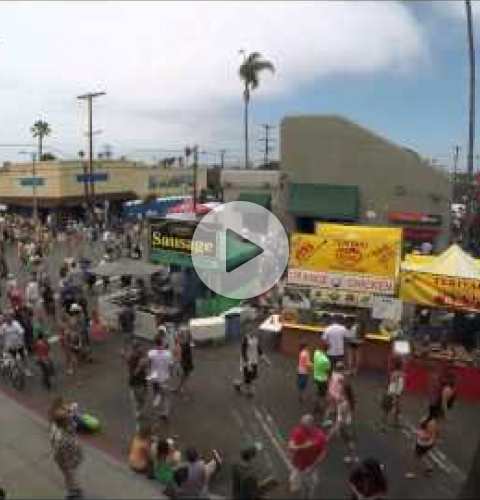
<point x="35" y="310"/>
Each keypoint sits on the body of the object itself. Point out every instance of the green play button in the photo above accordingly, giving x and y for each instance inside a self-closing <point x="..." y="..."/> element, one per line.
<point x="251" y="250"/>
<point x="239" y="250"/>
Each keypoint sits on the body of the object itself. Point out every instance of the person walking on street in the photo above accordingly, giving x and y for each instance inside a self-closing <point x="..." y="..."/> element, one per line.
<point x="246" y="484"/>
<point x="391" y="403"/>
<point x="335" y="335"/>
<point x="251" y="353"/>
<point x="126" y="322"/>
<point x="308" y="447"/>
<point x="321" y="373"/>
<point x="66" y="449"/>
<point x="344" y="423"/>
<point x="137" y="363"/>
<point x="41" y="349"/>
<point x="161" y="364"/>
<point x="184" y="339"/>
<point x="303" y="370"/>
<point x="425" y="439"/>
<point x="367" y="481"/>
<point x="354" y="343"/>
<point x="335" y="389"/>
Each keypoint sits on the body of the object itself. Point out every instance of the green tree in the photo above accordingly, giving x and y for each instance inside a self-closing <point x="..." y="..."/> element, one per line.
<point x="40" y="130"/>
<point x="249" y="73"/>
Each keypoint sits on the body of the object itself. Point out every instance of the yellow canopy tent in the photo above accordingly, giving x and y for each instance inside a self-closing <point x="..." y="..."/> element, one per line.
<point x="451" y="280"/>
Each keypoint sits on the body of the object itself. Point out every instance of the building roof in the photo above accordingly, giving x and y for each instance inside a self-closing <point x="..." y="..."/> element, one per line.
<point x="341" y="121"/>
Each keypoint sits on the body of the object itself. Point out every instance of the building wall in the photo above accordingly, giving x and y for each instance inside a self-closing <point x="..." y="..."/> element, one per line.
<point x="333" y="150"/>
<point x="235" y="182"/>
<point x="61" y="180"/>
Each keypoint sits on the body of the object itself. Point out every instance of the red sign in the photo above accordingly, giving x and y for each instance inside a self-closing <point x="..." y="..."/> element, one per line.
<point x="415" y="217"/>
<point x="420" y="234"/>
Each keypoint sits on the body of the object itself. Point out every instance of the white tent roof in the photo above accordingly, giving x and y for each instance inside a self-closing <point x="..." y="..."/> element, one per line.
<point x="452" y="262"/>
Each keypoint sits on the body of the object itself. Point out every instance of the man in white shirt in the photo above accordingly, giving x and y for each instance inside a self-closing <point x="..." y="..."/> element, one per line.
<point x="32" y="293"/>
<point x="161" y="365"/>
<point x="335" y="335"/>
<point x="12" y="337"/>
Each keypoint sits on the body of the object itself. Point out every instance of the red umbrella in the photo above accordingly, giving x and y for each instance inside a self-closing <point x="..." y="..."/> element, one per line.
<point x="187" y="207"/>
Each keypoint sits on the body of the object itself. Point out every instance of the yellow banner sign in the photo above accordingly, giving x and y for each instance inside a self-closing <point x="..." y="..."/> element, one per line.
<point x="376" y="253"/>
<point x="440" y="291"/>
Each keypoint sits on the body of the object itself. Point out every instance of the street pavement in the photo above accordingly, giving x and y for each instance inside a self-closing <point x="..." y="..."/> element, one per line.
<point x="27" y="469"/>
<point x="215" y="416"/>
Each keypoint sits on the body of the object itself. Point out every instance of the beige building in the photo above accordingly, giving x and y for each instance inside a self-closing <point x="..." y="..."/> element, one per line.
<point x="61" y="183"/>
<point x="339" y="171"/>
<point x="261" y="186"/>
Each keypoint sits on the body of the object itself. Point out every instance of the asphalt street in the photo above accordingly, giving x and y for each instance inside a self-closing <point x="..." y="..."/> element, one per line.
<point x="215" y="416"/>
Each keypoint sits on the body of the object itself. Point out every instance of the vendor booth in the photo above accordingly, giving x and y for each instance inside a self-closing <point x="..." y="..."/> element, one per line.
<point x="171" y="245"/>
<point x="349" y="272"/>
<point x="145" y="286"/>
<point x="446" y="326"/>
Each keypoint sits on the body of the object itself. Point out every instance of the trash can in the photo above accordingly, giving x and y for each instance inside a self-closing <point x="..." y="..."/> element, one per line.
<point x="232" y="326"/>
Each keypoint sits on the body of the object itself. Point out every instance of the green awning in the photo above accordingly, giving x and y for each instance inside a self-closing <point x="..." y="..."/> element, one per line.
<point x="262" y="199"/>
<point x="324" y="201"/>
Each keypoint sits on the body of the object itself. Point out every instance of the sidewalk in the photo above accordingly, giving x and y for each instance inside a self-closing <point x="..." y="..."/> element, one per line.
<point x="28" y="471"/>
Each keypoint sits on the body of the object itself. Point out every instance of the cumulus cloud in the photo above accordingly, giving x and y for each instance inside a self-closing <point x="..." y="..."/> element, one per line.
<point x="170" y="68"/>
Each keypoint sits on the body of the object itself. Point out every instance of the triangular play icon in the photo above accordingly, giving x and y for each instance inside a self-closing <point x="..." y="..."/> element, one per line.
<point x="239" y="250"/>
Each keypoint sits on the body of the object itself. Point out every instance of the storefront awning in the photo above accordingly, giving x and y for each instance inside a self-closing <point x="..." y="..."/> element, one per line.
<point x="262" y="199"/>
<point x="324" y="201"/>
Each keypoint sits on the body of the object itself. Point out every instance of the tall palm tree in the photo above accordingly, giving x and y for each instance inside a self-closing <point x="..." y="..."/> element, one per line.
<point x="249" y="73"/>
<point x="471" y="124"/>
<point x="40" y="129"/>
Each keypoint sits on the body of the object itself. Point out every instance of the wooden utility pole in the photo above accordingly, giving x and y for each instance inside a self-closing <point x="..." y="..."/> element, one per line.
<point x="89" y="98"/>
<point x="471" y="127"/>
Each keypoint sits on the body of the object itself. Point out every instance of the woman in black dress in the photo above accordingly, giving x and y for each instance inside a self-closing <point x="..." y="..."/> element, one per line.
<point x="186" y="356"/>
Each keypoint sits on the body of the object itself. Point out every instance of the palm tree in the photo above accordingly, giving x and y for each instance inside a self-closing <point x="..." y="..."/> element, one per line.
<point x="471" y="125"/>
<point x="249" y="73"/>
<point x="40" y="129"/>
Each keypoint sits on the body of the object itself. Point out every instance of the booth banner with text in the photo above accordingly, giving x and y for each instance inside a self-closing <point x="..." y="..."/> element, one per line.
<point x="171" y="242"/>
<point x="364" y="251"/>
<point x="341" y="281"/>
<point x="440" y="291"/>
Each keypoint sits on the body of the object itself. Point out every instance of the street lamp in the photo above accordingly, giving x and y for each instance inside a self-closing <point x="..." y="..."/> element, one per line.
<point x="34" y="184"/>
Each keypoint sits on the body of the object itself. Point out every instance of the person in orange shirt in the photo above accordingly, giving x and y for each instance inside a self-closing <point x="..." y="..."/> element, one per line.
<point x="139" y="454"/>
<point x="303" y="369"/>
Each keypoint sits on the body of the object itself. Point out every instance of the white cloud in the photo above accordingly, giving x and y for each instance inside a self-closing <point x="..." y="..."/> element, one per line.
<point x="170" y="68"/>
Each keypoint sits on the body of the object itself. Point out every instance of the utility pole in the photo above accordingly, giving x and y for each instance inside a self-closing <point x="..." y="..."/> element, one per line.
<point x="35" y="199"/>
<point x="456" y="153"/>
<point x="33" y="181"/>
<point x="222" y="158"/>
<point x="195" y="174"/>
<point x="89" y="98"/>
<point x="471" y="127"/>
<point x="267" y="140"/>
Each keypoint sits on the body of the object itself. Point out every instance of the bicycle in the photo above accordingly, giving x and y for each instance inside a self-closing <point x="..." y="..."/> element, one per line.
<point x="11" y="368"/>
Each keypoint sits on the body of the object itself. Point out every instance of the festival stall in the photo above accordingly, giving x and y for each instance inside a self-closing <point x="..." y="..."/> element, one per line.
<point x="347" y="271"/>
<point x="134" y="282"/>
<point x="446" y="291"/>
<point x="172" y="244"/>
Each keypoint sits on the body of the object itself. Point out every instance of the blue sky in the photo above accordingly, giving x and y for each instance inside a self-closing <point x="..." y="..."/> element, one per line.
<point x="170" y="71"/>
<point x="424" y="108"/>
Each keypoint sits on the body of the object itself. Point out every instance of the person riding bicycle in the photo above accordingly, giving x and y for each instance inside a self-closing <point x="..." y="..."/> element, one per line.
<point x="13" y="336"/>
